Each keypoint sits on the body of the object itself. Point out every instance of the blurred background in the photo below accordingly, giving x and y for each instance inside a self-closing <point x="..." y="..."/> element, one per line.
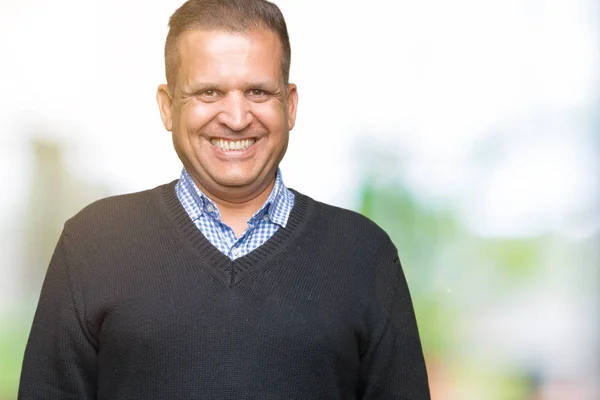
<point x="469" y="130"/>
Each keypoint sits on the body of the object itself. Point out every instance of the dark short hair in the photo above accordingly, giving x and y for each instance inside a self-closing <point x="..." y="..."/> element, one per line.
<point x="235" y="16"/>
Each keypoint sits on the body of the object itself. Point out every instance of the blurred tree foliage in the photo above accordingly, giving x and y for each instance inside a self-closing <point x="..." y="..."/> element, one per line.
<point x="55" y="194"/>
<point x="452" y="273"/>
<point x="422" y="236"/>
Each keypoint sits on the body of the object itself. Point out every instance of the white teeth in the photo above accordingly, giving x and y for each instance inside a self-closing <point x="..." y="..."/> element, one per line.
<point x="231" y="145"/>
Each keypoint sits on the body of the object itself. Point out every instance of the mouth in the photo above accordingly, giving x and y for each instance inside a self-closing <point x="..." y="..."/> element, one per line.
<point x="232" y="145"/>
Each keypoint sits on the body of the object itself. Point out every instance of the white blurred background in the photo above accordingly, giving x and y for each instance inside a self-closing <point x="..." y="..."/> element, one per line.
<point x="470" y="130"/>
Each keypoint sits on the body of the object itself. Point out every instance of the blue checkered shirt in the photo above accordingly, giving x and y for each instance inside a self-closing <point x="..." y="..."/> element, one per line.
<point x="261" y="226"/>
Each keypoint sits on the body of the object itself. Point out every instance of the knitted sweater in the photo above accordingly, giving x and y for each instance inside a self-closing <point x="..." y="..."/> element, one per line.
<point x="137" y="304"/>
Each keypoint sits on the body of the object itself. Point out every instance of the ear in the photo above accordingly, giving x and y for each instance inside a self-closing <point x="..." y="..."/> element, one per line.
<point x="292" y="104"/>
<point x="165" y="104"/>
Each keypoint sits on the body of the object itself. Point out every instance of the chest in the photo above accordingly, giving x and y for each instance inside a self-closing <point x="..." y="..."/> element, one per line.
<point x="261" y="322"/>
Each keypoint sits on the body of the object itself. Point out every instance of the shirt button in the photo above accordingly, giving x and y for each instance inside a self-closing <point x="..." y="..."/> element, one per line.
<point x="266" y="218"/>
<point x="210" y="208"/>
<point x="235" y="252"/>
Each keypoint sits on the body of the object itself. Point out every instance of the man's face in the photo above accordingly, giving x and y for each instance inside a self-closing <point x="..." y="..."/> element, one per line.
<point x="230" y="112"/>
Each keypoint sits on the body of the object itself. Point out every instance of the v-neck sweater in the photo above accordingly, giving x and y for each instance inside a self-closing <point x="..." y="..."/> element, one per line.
<point x="138" y="304"/>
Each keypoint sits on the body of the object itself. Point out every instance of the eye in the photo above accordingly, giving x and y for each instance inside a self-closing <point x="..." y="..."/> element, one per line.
<point x="258" y="94"/>
<point x="208" y="95"/>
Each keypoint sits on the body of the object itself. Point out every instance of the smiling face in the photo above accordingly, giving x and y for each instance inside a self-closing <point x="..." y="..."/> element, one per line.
<point x="230" y="112"/>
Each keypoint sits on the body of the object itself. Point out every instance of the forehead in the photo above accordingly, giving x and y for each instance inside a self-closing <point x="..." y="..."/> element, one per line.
<point x="216" y="55"/>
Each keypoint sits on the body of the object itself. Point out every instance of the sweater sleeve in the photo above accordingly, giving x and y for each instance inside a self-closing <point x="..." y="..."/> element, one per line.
<point x="393" y="366"/>
<point x="60" y="357"/>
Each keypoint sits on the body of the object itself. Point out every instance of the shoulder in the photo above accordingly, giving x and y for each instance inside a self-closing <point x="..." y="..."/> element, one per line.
<point x="118" y="213"/>
<point x="349" y="222"/>
<point x="349" y="230"/>
<point x="353" y="249"/>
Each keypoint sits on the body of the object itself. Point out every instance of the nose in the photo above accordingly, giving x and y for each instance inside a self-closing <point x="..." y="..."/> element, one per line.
<point x="235" y="113"/>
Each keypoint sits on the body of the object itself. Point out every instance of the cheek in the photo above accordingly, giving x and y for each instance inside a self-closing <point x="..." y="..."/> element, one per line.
<point x="195" y="115"/>
<point x="272" y="117"/>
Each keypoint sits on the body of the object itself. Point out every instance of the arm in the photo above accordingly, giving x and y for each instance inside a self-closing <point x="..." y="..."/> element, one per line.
<point x="60" y="357"/>
<point x="393" y="366"/>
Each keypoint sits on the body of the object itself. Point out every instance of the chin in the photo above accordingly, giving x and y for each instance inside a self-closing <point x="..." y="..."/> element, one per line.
<point x="234" y="180"/>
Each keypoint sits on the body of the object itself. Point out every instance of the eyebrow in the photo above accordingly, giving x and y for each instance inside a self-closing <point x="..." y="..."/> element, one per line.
<point x="192" y="89"/>
<point x="263" y="85"/>
<point x="200" y="87"/>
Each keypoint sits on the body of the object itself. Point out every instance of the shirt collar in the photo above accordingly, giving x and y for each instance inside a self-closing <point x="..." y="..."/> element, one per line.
<point x="277" y="207"/>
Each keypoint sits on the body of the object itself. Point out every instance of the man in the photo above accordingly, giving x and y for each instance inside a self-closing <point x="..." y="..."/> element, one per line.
<point x="224" y="284"/>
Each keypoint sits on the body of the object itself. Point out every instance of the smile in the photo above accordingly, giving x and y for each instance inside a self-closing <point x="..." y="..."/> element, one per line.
<point x="232" y="145"/>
